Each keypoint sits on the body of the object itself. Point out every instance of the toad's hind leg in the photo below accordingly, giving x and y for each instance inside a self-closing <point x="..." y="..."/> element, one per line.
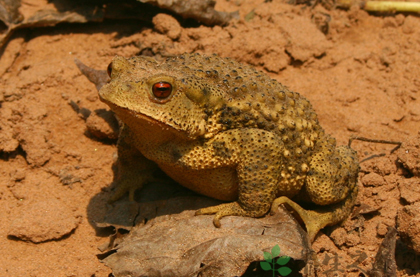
<point x="333" y="173"/>
<point x="315" y="220"/>
<point x="331" y="183"/>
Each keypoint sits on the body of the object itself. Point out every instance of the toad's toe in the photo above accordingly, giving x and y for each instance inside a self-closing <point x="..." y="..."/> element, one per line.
<point x="228" y="209"/>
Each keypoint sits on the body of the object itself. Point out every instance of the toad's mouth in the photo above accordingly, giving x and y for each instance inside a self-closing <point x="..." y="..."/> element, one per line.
<point x="127" y="116"/>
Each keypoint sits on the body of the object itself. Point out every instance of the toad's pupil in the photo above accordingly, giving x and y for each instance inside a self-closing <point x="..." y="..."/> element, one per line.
<point x="162" y="89"/>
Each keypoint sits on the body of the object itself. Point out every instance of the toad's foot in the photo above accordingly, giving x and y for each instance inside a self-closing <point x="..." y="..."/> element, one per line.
<point x="124" y="187"/>
<point x="227" y="209"/>
<point x="130" y="183"/>
<point x="315" y="220"/>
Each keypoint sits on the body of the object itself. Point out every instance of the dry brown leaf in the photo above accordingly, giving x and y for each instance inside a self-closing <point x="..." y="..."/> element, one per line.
<point x="174" y="242"/>
<point x="98" y="77"/>
<point x="60" y="11"/>
<point x="364" y="209"/>
<point x="49" y="16"/>
<point x="385" y="264"/>
<point x="9" y="11"/>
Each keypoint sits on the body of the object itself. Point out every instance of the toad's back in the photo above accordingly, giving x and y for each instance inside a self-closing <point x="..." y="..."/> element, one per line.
<point x="237" y="96"/>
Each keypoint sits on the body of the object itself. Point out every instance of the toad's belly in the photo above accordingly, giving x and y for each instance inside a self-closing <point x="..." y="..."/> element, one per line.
<point x="219" y="183"/>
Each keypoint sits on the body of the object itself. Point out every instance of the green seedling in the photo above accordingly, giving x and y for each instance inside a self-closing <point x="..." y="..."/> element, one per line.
<point x="271" y="262"/>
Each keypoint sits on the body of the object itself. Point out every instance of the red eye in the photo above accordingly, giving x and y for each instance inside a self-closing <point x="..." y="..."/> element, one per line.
<point x="162" y="90"/>
<point x="109" y="69"/>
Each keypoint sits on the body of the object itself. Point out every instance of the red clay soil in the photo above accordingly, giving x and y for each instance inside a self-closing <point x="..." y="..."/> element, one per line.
<point x="361" y="73"/>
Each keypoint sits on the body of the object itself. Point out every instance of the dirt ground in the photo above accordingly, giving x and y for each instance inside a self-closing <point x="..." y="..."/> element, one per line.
<point x="360" y="71"/>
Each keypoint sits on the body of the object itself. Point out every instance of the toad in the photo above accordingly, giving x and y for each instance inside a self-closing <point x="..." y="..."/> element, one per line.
<point x="227" y="131"/>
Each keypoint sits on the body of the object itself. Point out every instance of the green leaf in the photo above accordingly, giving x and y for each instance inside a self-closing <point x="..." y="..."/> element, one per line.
<point x="268" y="257"/>
<point x="283" y="260"/>
<point x="265" y="266"/>
<point x="275" y="251"/>
<point x="284" y="271"/>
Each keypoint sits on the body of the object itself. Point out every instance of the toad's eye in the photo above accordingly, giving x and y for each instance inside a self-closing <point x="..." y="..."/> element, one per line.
<point x="109" y="69"/>
<point x="162" y="90"/>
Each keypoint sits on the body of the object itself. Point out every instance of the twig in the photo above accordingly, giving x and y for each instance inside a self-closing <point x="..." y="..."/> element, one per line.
<point x="372" y="156"/>
<point x="374" y="141"/>
<point x="381" y="6"/>
<point x="398" y="143"/>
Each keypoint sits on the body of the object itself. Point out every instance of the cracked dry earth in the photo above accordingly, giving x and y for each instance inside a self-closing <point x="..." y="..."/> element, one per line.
<point x="361" y="75"/>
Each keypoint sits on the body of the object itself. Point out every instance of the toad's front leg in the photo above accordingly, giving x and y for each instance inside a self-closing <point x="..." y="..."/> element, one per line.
<point x="258" y="174"/>
<point x="134" y="169"/>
